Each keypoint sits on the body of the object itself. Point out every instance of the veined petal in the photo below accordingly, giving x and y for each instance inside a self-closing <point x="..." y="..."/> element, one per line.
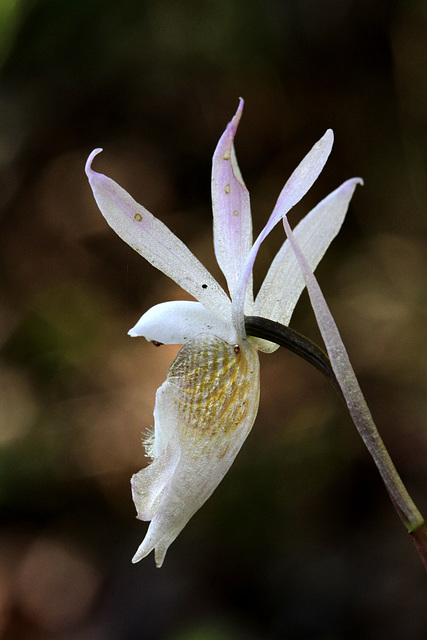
<point x="284" y="281"/>
<point x="296" y="187"/>
<point x="178" y="322"/>
<point x="209" y="402"/>
<point x="155" y="242"/>
<point x="354" y="399"/>
<point x="231" y="207"/>
<point x="337" y="352"/>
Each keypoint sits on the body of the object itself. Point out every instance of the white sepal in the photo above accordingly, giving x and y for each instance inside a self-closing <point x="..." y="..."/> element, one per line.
<point x="155" y="242"/>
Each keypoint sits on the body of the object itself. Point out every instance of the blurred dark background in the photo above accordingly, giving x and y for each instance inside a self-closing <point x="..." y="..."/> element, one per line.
<point x="300" y="540"/>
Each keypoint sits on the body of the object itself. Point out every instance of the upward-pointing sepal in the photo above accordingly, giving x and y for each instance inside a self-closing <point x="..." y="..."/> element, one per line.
<point x="155" y="242"/>
<point x="231" y="207"/>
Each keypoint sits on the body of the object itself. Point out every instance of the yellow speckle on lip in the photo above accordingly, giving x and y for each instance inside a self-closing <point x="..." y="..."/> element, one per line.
<point x="227" y="188"/>
<point x="137" y="217"/>
<point x="227" y="155"/>
<point x="212" y="382"/>
<point x="236" y="212"/>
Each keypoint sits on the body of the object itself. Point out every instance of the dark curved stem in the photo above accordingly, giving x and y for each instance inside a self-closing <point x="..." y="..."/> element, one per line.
<point x="296" y="342"/>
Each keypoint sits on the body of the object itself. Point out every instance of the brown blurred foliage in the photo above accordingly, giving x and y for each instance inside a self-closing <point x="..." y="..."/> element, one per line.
<point x="299" y="541"/>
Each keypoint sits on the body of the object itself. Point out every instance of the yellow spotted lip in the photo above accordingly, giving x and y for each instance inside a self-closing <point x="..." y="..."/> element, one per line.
<point x="211" y="380"/>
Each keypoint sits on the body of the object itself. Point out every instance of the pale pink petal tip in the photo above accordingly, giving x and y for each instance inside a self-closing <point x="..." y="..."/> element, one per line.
<point x="232" y="126"/>
<point x="88" y="167"/>
<point x="240" y="107"/>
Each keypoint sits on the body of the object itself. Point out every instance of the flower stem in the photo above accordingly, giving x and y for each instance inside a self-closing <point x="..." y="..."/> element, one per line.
<point x="357" y="407"/>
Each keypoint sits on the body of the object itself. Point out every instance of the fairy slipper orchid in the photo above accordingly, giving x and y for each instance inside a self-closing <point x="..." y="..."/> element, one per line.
<point x="208" y="404"/>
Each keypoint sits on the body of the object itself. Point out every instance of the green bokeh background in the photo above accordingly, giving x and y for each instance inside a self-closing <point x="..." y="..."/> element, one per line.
<point x="299" y="541"/>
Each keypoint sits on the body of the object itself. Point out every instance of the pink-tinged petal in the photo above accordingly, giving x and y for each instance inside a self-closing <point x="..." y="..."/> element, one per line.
<point x="204" y="412"/>
<point x="231" y="207"/>
<point x="179" y="321"/>
<point x="355" y="400"/>
<point x="325" y="321"/>
<point x="155" y="242"/>
<point x="296" y="187"/>
<point x="284" y="281"/>
<point x="330" y="334"/>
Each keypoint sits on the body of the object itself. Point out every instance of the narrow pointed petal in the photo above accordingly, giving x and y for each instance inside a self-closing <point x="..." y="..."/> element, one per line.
<point x="296" y="187"/>
<point x="155" y="242"/>
<point x="209" y="403"/>
<point x="178" y="322"/>
<point x="304" y="176"/>
<point x="284" y="281"/>
<point x="329" y="330"/>
<point x="356" y="403"/>
<point x="231" y="207"/>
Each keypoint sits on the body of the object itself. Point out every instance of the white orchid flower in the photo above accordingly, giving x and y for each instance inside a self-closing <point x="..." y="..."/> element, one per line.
<point x="208" y="404"/>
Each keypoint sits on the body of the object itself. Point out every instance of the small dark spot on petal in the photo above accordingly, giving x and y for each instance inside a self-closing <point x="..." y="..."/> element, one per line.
<point x="204" y="286"/>
<point x="156" y="343"/>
